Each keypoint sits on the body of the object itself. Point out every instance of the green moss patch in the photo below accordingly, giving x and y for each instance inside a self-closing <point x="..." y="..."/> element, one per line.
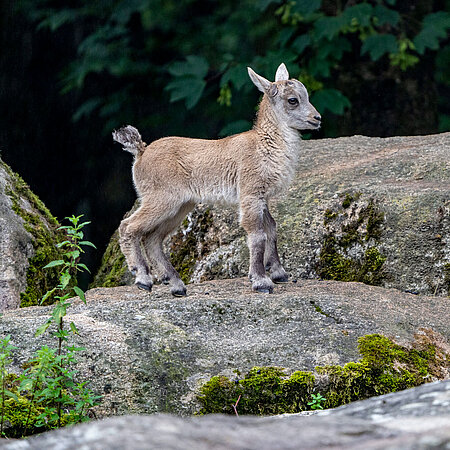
<point x="185" y="251"/>
<point x="263" y="391"/>
<point x="348" y="229"/>
<point x="113" y="266"/>
<point x="384" y="367"/>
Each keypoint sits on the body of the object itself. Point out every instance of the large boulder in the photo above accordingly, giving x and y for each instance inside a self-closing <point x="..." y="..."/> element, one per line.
<point x="149" y="353"/>
<point x="28" y="239"/>
<point x="418" y="418"/>
<point x="375" y="210"/>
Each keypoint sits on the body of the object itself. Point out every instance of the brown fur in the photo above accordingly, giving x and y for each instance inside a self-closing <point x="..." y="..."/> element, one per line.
<point x="172" y="174"/>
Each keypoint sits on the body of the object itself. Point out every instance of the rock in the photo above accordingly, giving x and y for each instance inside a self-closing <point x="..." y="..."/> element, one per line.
<point x="149" y="353"/>
<point x="28" y="241"/>
<point x="418" y="418"/>
<point x="375" y="210"/>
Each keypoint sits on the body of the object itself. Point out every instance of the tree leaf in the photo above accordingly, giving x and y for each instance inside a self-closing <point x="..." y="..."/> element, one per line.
<point x="237" y="74"/>
<point x="331" y="100"/>
<point x="361" y="12"/>
<point x="58" y="262"/>
<point x="64" y="279"/>
<point x="379" y="44"/>
<point x="73" y="328"/>
<point x="386" y="15"/>
<point x="80" y="293"/>
<point x="59" y="311"/>
<point x="195" y="66"/>
<point x="188" y="88"/>
<point x="305" y="7"/>
<point x="47" y="295"/>
<point x="90" y="244"/>
<point x="10" y="394"/>
<point x="42" y="329"/>
<point x="329" y="27"/>
<point x="83" y="266"/>
<point x="301" y="42"/>
<point x="434" y="28"/>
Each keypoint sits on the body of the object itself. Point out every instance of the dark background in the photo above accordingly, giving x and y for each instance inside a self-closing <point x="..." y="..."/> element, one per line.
<point x="72" y="71"/>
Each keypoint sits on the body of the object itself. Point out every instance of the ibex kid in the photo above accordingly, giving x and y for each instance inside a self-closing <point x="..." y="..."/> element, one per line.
<point x="172" y="174"/>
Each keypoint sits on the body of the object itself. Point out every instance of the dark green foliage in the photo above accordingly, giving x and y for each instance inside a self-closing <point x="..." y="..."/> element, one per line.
<point x="384" y="367"/>
<point x="147" y="40"/>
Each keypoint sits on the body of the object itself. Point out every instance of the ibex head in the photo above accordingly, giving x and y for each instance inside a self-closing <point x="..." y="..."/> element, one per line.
<point x="289" y="100"/>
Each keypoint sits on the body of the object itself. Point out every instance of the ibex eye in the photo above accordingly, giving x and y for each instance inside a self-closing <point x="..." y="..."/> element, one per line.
<point x="292" y="101"/>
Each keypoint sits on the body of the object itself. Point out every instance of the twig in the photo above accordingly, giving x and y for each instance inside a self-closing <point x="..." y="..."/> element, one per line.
<point x="235" y="406"/>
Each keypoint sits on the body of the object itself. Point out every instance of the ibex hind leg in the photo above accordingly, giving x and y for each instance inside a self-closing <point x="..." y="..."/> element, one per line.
<point x="153" y="244"/>
<point x="131" y="231"/>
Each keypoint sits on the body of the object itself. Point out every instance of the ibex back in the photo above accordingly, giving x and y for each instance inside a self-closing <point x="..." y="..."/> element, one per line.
<point x="172" y="174"/>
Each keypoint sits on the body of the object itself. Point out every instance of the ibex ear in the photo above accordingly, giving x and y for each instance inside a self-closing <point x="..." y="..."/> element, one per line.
<point x="260" y="82"/>
<point x="282" y="73"/>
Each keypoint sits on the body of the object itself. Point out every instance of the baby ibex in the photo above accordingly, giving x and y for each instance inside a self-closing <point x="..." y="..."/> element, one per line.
<point x="172" y="174"/>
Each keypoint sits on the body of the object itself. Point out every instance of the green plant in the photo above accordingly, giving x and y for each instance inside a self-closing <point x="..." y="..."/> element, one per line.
<point x="316" y="401"/>
<point x="47" y="393"/>
<point x="5" y="360"/>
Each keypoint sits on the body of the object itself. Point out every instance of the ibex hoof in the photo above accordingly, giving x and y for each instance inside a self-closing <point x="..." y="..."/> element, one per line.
<point x="144" y="287"/>
<point x="263" y="285"/>
<point x="264" y="290"/>
<point x="280" y="279"/>
<point x="178" y="292"/>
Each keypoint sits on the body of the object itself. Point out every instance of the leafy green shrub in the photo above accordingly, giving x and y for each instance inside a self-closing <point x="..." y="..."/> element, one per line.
<point x="46" y="395"/>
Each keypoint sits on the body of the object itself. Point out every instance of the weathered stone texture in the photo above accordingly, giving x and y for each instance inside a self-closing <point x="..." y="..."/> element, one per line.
<point x="149" y="353"/>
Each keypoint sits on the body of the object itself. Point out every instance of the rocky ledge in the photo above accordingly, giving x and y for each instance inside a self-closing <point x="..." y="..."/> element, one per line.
<point x="149" y="353"/>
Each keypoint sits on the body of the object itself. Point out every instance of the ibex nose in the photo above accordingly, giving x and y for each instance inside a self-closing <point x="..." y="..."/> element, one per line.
<point x="318" y="117"/>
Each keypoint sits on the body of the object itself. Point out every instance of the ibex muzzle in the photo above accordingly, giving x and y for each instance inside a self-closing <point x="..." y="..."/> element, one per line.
<point x="172" y="174"/>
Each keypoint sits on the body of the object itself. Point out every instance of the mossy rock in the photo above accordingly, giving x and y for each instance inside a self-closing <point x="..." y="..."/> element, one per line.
<point x="384" y="367"/>
<point x="27" y="243"/>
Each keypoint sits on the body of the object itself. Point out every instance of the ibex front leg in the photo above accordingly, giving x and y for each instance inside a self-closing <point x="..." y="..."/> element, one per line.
<point x="252" y="220"/>
<point x="271" y="259"/>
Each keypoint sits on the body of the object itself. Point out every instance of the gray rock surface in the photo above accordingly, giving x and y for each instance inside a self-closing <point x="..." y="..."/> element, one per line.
<point x="356" y="202"/>
<point x="25" y="223"/>
<point x="15" y="248"/>
<point x="413" y="419"/>
<point x="149" y="353"/>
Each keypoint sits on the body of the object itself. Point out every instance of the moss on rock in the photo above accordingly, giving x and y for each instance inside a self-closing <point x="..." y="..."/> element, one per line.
<point x="42" y="226"/>
<point x="349" y="251"/>
<point x="113" y="268"/>
<point x="185" y="246"/>
<point x="263" y="391"/>
<point x="385" y="366"/>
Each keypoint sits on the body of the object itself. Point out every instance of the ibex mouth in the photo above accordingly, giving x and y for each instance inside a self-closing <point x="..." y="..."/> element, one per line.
<point x="315" y="124"/>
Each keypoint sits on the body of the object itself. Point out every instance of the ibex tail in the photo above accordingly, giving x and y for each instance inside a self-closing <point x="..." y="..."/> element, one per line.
<point x="131" y="139"/>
